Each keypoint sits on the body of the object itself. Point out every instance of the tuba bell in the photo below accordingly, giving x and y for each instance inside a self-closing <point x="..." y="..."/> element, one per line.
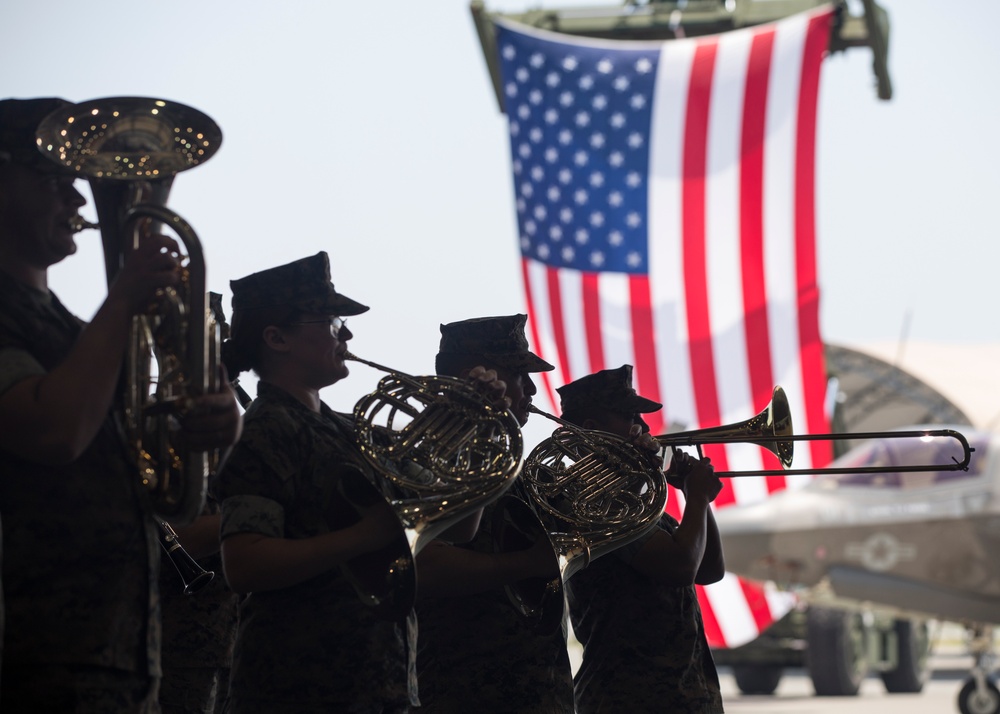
<point x="130" y="149"/>
<point x="438" y="450"/>
<point x="587" y="493"/>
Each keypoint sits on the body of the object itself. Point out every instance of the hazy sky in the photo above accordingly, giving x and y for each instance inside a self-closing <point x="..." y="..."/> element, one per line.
<point x="370" y="130"/>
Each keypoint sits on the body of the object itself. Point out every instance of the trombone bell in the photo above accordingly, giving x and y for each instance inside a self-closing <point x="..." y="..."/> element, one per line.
<point x="771" y="429"/>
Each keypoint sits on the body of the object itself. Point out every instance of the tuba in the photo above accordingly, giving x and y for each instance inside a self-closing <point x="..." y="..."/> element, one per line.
<point x="438" y="450"/>
<point x="588" y="493"/>
<point x="130" y="148"/>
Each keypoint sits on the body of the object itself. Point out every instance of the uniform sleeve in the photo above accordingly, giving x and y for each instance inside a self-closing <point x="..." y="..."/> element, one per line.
<point x="256" y="485"/>
<point x="15" y="365"/>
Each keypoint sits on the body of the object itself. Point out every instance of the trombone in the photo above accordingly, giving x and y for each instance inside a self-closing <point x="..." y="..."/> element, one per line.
<point x="771" y="429"/>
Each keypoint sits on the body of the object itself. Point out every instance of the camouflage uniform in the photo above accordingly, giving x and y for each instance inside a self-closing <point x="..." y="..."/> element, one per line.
<point x="81" y="550"/>
<point x="477" y="652"/>
<point x="198" y="635"/>
<point x="644" y="643"/>
<point x="313" y="646"/>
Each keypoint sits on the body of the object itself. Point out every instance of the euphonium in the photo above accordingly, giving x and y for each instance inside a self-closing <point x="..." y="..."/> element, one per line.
<point x="439" y="450"/>
<point x="588" y="493"/>
<point x="130" y="148"/>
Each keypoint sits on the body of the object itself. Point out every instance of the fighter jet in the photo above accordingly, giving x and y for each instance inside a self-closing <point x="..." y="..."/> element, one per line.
<point x="914" y="544"/>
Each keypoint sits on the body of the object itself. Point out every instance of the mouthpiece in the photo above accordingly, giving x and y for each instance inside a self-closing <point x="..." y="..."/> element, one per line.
<point x="79" y="223"/>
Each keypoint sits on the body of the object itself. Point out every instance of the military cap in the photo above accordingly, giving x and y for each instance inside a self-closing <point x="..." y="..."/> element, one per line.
<point x="608" y="389"/>
<point x="303" y="284"/>
<point x="497" y="340"/>
<point x="19" y="118"/>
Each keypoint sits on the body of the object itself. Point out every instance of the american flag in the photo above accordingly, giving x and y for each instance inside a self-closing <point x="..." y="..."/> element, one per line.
<point x="666" y="212"/>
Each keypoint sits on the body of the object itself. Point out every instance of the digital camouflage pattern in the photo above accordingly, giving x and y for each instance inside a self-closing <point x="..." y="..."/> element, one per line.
<point x="19" y="118"/>
<point x="57" y="689"/>
<point x="478" y="654"/>
<point x="313" y="646"/>
<point x="500" y="341"/>
<point x="304" y="284"/>
<point x="644" y="643"/>
<point x="199" y="631"/>
<point x="610" y="389"/>
<point x="81" y="550"/>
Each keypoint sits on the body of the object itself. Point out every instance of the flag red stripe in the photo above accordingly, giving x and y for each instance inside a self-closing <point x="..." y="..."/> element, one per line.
<point x="533" y="326"/>
<point x="811" y="344"/>
<point x="647" y="378"/>
<point x="694" y="166"/>
<point x="713" y="632"/>
<point x="759" y="607"/>
<point x="592" y="321"/>
<point x="558" y="326"/>
<point x="757" y="331"/>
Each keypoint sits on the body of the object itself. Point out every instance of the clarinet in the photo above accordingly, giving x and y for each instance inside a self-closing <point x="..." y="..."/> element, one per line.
<point x="193" y="575"/>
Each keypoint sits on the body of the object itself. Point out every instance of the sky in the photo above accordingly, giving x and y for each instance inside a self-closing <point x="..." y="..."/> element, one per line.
<point x="371" y="131"/>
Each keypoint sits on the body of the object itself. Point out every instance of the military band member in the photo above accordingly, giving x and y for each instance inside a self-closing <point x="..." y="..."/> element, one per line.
<point x="477" y="652"/>
<point x="305" y="642"/>
<point x="636" y="610"/>
<point x="81" y="546"/>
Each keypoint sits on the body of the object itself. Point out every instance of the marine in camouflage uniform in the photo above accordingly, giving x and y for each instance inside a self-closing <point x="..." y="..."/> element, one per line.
<point x="635" y="610"/>
<point x="81" y="551"/>
<point x="477" y="652"/>
<point x="312" y="645"/>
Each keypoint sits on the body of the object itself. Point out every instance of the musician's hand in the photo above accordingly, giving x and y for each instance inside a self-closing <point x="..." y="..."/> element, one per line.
<point x="680" y="467"/>
<point x="701" y="481"/>
<point x="213" y="421"/>
<point x="152" y="266"/>
<point x="487" y="383"/>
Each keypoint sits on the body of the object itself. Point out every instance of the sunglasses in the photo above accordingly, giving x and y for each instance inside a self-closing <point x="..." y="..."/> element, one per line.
<point x="336" y="324"/>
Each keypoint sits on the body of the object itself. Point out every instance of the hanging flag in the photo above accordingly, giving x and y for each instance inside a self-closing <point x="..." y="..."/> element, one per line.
<point x="666" y="216"/>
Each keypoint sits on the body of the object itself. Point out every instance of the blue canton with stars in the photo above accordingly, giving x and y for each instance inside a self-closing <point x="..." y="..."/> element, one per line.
<point x="579" y="134"/>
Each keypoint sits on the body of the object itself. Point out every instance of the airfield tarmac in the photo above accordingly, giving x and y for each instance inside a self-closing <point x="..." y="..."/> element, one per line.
<point x="795" y="694"/>
<point x="949" y="663"/>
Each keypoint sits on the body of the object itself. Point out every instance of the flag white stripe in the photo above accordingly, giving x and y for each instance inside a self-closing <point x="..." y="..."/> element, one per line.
<point x="722" y="213"/>
<point x="779" y="215"/>
<point x="570" y="283"/>
<point x="670" y="317"/>
<point x="616" y="320"/>
<point x="542" y="318"/>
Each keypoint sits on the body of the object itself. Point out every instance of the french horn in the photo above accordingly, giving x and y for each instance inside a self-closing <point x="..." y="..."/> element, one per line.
<point x="586" y="492"/>
<point x="439" y="450"/>
<point x="130" y="149"/>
